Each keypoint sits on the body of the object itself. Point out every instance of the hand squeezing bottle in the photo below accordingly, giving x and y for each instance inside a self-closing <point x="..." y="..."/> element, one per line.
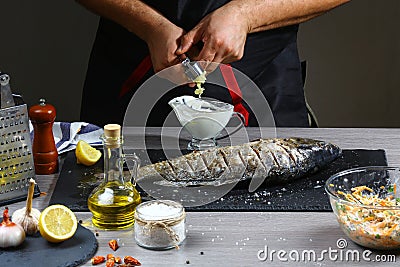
<point x="114" y="201"/>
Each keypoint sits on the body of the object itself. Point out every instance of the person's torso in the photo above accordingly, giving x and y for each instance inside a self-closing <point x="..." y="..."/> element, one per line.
<point x="270" y="57"/>
<point x="260" y="48"/>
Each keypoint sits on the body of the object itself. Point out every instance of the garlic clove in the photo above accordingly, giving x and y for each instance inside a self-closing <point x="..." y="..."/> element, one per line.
<point x="11" y="234"/>
<point x="28" y="222"/>
<point x="28" y="217"/>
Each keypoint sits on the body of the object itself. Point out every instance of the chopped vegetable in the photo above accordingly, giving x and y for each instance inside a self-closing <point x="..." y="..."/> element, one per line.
<point x="373" y="227"/>
<point x="199" y="83"/>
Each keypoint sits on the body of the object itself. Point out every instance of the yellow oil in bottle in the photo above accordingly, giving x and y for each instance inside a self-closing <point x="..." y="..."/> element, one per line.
<point x="114" y="209"/>
<point x="113" y="202"/>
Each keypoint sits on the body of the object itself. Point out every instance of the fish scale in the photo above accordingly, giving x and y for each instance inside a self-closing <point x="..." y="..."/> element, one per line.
<point x="197" y="163"/>
<point x="253" y="164"/>
<point x="216" y="165"/>
<point x="233" y="160"/>
<point x="275" y="160"/>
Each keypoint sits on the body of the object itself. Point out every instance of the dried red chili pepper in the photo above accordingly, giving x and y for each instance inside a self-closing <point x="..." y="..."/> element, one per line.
<point x="131" y="260"/>
<point x="97" y="260"/>
<point x="113" y="244"/>
<point x="110" y="262"/>
<point x="118" y="260"/>
<point x="110" y="256"/>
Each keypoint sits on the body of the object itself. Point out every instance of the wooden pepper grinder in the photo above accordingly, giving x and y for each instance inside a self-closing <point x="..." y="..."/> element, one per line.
<point x="45" y="155"/>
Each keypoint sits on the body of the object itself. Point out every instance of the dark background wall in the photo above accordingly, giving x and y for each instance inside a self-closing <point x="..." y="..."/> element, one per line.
<point x="353" y="56"/>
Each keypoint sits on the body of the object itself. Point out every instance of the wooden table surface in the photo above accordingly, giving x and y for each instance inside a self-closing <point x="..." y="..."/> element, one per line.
<point x="240" y="238"/>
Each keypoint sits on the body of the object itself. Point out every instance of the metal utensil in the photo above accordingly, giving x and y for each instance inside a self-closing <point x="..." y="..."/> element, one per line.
<point x="192" y="69"/>
<point x="16" y="159"/>
<point x="7" y="99"/>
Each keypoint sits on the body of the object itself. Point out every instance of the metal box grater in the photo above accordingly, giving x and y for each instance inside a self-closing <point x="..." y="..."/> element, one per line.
<point x="16" y="159"/>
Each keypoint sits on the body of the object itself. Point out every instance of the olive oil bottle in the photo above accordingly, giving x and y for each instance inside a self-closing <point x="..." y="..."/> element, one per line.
<point x="114" y="201"/>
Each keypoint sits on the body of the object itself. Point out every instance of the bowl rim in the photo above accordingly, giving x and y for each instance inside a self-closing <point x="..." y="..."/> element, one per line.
<point x="225" y="106"/>
<point x="358" y="169"/>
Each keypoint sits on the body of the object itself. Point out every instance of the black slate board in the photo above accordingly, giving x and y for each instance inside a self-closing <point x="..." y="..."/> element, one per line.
<point x="307" y="194"/>
<point x="36" y="251"/>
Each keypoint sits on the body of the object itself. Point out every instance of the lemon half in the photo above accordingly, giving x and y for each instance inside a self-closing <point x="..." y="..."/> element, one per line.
<point x="57" y="223"/>
<point x="86" y="154"/>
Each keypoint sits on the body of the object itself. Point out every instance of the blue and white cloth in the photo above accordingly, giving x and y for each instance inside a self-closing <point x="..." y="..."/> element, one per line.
<point x="67" y="134"/>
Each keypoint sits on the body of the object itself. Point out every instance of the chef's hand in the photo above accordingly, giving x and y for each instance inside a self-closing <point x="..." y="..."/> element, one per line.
<point x="223" y="33"/>
<point x="162" y="44"/>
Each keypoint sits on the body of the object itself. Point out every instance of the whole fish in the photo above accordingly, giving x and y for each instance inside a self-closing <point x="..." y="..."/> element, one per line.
<point x="273" y="160"/>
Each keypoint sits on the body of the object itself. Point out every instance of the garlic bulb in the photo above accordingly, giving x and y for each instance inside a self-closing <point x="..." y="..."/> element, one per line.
<point x="11" y="234"/>
<point x="28" y="217"/>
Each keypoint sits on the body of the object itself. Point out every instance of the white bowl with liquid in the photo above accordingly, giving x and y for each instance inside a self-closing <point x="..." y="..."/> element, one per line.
<point x="204" y="119"/>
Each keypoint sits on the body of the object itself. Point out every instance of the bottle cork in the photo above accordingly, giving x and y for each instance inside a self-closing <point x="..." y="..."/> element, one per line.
<point x="112" y="130"/>
<point x="45" y="155"/>
<point x="112" y="134"/>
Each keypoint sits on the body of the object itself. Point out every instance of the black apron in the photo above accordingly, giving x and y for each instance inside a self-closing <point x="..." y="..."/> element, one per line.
<point x="120" y="63"/>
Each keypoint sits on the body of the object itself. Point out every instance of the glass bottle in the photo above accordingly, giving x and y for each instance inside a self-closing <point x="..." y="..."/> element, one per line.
<point x="114" y="201"/>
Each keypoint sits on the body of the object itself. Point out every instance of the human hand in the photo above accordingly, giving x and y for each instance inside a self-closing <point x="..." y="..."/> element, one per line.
<point x="162" y="44"/>
<point x="223" y="33"/>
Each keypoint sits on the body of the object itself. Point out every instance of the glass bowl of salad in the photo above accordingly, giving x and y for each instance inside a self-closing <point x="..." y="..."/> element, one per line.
<point x="366" y="202"/>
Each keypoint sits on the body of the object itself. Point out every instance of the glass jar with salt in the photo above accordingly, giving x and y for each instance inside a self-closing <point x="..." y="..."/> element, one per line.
<point x="160" y="224"/>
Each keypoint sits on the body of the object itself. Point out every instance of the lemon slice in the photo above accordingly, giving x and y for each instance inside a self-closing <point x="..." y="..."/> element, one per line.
<point x="57" y="223"/>
<point x="86" y="154"/>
